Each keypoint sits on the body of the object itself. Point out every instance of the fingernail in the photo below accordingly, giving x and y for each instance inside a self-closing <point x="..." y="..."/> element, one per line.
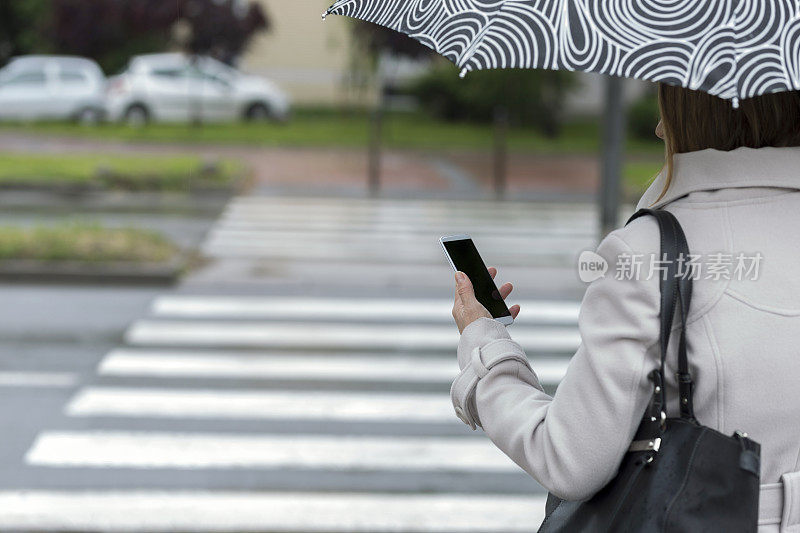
<point x="460" y="276"/>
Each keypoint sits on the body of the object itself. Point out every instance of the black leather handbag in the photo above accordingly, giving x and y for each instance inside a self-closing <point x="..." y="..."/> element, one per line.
<point x="678" y="475"/>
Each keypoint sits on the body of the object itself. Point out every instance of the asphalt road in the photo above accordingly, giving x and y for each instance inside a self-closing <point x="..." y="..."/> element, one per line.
<point x="298" y="382"/>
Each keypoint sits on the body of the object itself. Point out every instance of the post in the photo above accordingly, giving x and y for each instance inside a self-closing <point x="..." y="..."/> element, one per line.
<point x="376" y="138"/>
<point x="500" y="166"/>
<point x="613" y="128"/>
<point x="375" y="146"/>
<point x="195" y="100"/>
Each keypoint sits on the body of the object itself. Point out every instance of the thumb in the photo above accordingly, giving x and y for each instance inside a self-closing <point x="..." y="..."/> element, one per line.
<point x="464" y="288"/>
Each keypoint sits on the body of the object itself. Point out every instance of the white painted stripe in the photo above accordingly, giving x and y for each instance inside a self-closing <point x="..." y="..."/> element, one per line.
<point x="421" y="208"/>
<point x="226" y="365"/>
<point x="402" y="239"/>
<point x="375" y="255"/>
<point x="333" y="336"/>
<point x="536" y="311"/>
<point x="257" y="404"/>
<point x="418" y="222"/>
<point x="38" y="379"/>
<point x="399" y="203"/>
<point x="480" y="230"/>
<point x="285" y="512"/>
<point x="390" y="248"/>
<point x="119" y="449"/>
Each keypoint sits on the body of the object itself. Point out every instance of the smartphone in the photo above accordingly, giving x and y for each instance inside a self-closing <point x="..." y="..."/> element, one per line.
<point x="463" y="255"/>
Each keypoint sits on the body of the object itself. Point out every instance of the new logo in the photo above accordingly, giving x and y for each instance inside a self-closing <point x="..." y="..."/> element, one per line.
<point x="591" y="266"/>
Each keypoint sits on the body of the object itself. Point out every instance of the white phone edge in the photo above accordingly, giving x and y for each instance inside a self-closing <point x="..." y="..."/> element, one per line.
<point x="505" y="320"/>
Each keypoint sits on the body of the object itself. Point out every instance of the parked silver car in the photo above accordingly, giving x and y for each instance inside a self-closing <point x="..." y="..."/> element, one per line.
<point x="52" y="88"/>
<point x="179" y="88"/>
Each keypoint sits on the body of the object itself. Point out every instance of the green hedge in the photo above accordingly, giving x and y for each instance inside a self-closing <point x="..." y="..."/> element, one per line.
<point x="532" y="98"/>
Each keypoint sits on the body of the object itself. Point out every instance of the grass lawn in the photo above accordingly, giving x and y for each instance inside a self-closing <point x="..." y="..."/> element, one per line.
<point x="638" y="174"/>
<point x="115" y="172"/>
<point x="88" y="243"/>
<point x="331" y="128"/>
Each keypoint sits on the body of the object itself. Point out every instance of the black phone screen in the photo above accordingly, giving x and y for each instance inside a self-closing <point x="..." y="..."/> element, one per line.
<point x="466" y="258"/>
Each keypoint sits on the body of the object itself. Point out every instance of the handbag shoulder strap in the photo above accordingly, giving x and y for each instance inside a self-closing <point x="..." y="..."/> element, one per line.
<point x="676" y="291"/>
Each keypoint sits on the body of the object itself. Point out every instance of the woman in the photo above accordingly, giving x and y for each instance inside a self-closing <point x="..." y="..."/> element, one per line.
<point x="732" y="178"/>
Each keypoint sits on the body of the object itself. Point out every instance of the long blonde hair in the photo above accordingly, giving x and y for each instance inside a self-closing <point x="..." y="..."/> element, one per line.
<point x="694" y="120"/>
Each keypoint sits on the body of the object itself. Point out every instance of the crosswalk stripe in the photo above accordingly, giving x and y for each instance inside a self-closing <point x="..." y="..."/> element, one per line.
<point x="329" y="367"/>
<point x="248" y="249"/>
<point x="405" y="240"/>
<point x="403" y="203"/>
<point x="333" y="336"/>
<point x="140" y="449"/>
<point x="479" y="230"/>
<point x="289" y="240"/>
<point x="288" y="512"/>
<point x="421" y="211"/>
<point x="259" y="404"/>
<point x="536" y="311"/>
<point x="489" y="223"/>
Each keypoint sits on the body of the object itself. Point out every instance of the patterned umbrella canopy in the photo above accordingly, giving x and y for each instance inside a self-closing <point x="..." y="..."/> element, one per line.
<point x="733" y="49"/>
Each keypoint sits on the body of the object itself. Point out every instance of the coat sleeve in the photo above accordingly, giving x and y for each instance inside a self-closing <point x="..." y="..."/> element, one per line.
<point x="573" y="442"/>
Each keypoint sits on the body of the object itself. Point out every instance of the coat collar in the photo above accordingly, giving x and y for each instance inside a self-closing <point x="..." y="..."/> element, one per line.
<point x="708" y="170"/>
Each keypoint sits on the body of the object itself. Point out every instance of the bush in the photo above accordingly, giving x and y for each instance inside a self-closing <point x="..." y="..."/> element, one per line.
<point x="643" y="117"/>
<point x="531" y="97"/>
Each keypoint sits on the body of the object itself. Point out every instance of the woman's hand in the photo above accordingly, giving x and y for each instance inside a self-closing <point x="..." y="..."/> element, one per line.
<point x="467" y="308"/>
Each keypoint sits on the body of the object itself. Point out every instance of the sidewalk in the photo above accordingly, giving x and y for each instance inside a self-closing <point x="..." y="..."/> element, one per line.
<point x="343" y="171"/>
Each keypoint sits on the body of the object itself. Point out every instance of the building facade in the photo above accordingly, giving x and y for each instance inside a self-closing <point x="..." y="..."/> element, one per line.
<point x="307" y="57"/>
<point x="312" y="60"/>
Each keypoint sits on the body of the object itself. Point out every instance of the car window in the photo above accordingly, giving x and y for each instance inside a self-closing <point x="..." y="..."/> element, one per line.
<point x="169" y="73"/>
<point x="30" y="78"/>
<point x="198" y="74"/>
<point x="72" y="76"/>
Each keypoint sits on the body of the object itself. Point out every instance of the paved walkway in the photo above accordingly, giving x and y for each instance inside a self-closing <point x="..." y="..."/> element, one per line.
<point x="343" y="171"/>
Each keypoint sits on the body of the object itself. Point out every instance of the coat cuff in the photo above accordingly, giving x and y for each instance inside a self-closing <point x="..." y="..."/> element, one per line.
<point x="478" y="333"/>
<point x="481" y="360"/>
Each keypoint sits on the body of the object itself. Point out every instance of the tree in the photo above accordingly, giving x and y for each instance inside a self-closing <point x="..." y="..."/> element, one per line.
<point x="530" y="97"/>
<point x="21" y="27"/>
<point x="110" y="31"/>
<point x="376" y="39"/>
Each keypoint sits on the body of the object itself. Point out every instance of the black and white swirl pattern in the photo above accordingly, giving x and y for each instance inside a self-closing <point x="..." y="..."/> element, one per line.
<point x="729" y="48"/>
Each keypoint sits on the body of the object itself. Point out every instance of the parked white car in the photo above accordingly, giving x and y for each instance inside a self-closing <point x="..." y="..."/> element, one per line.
<point x="178" y="88"/>
<point x="52" y="88"/>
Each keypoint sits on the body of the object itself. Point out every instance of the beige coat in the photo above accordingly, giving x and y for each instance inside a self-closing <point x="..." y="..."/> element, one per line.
<point x="743" y="335"/>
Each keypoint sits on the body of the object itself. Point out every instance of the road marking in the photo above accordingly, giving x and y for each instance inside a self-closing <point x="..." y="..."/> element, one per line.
<point x="406" y="241"/>
<point x="137" y="449"/>
<point x="285" y="512"/>
<point x="371" y="255"/>
<point x="38" y="379"/>
<point x="258" y="404"/>
<point x="480" y="230"/>
<point x="417" y="206"/>
<point x="536" y="311"/>
<point x="300" y="367"/>
<point x="389" y="249"/>
<point x="333" y="336"/>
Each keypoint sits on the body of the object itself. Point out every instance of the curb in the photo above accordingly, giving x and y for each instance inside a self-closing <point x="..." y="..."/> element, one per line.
<point x="207" y="202"/>
<point x="160" y="274"/>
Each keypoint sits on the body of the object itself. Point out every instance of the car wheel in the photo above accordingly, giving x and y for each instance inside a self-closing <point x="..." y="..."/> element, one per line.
<point x="258" y="113"/>
<point x="137" y="116"/>
<point x="89" y="116"/>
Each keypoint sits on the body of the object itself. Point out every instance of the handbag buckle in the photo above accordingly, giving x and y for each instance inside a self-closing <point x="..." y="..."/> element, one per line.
<point x="645" y="445"/>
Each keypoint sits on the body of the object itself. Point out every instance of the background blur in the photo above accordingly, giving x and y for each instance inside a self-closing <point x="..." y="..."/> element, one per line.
<point x="223" y="306"/>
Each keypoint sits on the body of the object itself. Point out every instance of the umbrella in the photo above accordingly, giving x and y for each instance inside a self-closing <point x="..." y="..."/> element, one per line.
<point x="733" y="49"/>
